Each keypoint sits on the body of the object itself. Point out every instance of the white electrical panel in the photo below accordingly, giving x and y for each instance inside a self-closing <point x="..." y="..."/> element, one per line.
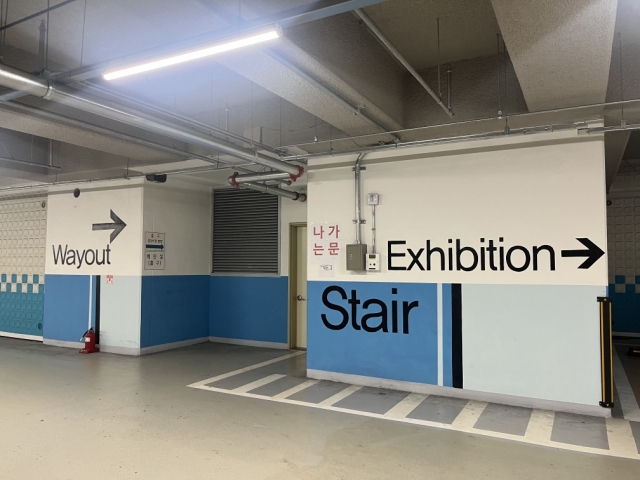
<point x="373" y="262"/>
<point x="373" y="199"/>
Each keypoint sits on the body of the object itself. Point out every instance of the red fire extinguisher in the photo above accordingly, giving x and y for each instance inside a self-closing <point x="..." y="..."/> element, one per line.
<point x="89" y="339"/>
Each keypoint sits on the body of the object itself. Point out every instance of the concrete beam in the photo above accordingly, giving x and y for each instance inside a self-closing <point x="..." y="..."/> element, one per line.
<point x="561" y="50"/>
<point x="615" y="144"/>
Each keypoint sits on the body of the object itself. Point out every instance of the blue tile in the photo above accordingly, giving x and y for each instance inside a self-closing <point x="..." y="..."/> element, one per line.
<point x="3" y="277"/>
<point x="29" y="288"/>
<point x="36" y="278"/>
<point x="25" y="278"/>
<point x="14" y="278"/>
<point x="630" y="289"/>
<point x="619" y="279"/>
<point x="637" y="279"/>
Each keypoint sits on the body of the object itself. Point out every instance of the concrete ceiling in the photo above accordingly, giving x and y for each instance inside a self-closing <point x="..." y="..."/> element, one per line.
<point x="306" y="86"/>
<point x="468" y="29"/>
<point x="561" y="50"/>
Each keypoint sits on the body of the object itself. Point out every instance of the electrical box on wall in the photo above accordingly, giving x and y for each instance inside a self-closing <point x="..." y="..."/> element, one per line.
<point x="373" y="199"/>
<point x="355" y="257"/>
<point x="373" y="262"/>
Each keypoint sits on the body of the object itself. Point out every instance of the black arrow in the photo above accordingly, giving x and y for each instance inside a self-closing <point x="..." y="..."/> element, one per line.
<point x="593" y="252"/>
<point x="117" y="226"/>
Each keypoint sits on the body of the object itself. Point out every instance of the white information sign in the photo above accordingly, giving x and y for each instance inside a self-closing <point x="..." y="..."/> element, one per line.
<point x="154" y="254"/>
<point x="326" y="243"/>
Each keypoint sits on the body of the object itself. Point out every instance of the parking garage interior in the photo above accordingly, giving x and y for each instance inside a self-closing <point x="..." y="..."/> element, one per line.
<point x="320" y="239"/>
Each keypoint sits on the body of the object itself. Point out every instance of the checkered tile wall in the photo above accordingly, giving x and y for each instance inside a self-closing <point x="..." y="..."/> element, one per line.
<point x="623" y="230"/>
<point x="22" y="260"/>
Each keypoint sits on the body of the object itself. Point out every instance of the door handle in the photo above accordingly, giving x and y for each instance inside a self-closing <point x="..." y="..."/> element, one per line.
<point x="300" y="298"/>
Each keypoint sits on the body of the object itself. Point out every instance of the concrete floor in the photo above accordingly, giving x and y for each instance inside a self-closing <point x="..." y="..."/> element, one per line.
<point x="68" y="416"/>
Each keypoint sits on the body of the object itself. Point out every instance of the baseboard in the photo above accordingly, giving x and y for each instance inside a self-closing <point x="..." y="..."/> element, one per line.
<point x="63" y="343"/>
<point x="131" y="351"/>
<point x="21" y="336"/>
<point x="171" y="346"/>
<point x="250" y="343"/>
<point x="594" y="410"/>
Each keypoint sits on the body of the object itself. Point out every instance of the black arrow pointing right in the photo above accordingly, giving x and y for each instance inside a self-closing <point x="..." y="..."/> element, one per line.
<point x="593" y="253"/>
<point x="117" y="226"/>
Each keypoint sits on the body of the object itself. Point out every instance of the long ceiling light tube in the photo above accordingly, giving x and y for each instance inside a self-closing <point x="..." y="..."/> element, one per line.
<point x="227" y="46"/>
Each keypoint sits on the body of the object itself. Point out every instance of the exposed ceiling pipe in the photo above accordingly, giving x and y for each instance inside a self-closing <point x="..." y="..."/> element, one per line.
<point x="237" y="179"/>
<point x="459" y="138"/>
<point x="119" y="135"/>
<point x="358" y="219"/>
<point x="258" y="187"/>
<point x="394" y="51"/>
<point x="18" y="80"/>
<point x="184" y="171"/>
<point x="175" y="116"/>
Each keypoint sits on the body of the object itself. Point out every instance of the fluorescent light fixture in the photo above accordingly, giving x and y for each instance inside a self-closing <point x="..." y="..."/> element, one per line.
<point x="203" y="52"/>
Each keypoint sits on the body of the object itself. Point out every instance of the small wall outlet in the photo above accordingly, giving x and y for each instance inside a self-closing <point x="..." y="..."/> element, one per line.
<point x="373" y="199"/>
<point x="372" y="262"/>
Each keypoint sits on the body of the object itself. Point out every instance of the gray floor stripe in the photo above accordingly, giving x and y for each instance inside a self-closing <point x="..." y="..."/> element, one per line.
<point x="504" y="419"/>
<point x="319" y="392"/>
<point x="279" y="386"/>
<point x="438" y="409"/>
<point x="580" y="430"/>
<point x="373" y="400"/>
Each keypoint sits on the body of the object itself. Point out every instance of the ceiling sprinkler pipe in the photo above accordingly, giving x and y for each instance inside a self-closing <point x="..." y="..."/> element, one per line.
<point x="259" y="187"/>
<point x="39" y="87"/>
<point x="236" y="179"/>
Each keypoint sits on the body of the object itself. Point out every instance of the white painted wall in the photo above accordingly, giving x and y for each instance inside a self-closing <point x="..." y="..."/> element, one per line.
<point x="70" y="220"/>
<point x="70" y="223"/>
<point x="533" y="333"/>
<point x="542" y="189"/>
<point x="182" y="211"/>
<point x="290" y="212"/>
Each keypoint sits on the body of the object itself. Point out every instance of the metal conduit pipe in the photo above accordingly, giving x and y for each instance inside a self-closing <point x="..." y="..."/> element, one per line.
<point x="108" y="179"/>
<point x="18" y="80"/>
<point x="459" y="138"/>
<point x="358" y="220"/>
<point x="119" y="135"/>
<point x="258" y="187"/>
<point x="236" y="179"/>
<point x="394" y="51"/>
<point x="175" y="116"/>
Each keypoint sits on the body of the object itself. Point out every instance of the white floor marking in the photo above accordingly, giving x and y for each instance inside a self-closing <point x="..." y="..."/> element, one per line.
<point x="258" y="383"/>
<point x="296" y="389"/>
<point x="245" y="369"/>
<point x="620" y="436"/>
<point x="618" y="429"/>
<point x="440" y="336"/>
<point x="627" y="399"/>
<point x="469" y="415"/>
<point x="406" y="406"/>
<point x="540" y="426"/>
<point x="340" y="395"/>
